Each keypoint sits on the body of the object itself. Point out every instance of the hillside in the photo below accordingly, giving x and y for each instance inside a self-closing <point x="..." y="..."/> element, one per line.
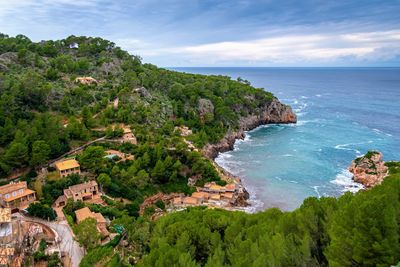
<point x="57" y="96"/>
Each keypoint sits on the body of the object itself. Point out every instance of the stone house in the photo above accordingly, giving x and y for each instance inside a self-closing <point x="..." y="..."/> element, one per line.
<point x="16" y="196"/>
<point x="80" y="192"/>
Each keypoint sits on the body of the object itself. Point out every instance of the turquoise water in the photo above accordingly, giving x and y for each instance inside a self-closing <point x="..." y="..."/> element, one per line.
<point x="342" y="113"/>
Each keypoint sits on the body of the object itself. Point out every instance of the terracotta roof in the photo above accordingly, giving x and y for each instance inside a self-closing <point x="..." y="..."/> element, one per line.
<point x="202" y="195"/>
<point x="18" y="195"/>
<point x="99" y="217"/>
<point x="227" y="195"/>
<point x="67" y="164"/>
<point x="230" y="187"/>
<point x="190" y="201"/>
<point x="177" y="201"/>
<point x="11" y="187"/>
<point x="103" y="230"/>
<point x="5" y="215"/>
<point x="79" y="187"/>
<point x="215" y="197"/>
<point x="83" y="214"/>
<point x="215" y="187"/>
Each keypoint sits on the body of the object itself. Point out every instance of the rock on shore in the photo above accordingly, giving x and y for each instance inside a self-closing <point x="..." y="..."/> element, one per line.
<point x="369" y="170"/>
<point x="272" y="112"/>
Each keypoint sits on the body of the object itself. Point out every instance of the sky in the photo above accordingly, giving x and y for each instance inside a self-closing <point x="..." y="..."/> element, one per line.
<point x="238" y="33"/>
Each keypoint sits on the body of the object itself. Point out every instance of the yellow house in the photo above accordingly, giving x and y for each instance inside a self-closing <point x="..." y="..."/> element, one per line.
<point x="16" y="195"/>
<point x="68" y="167"/>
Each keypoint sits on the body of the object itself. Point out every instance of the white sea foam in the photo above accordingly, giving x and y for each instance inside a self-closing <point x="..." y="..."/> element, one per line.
<point x="295" y="182"/>
<point x="348" y="148"/>
<point x="303" y="97"/>
<point x="316" y="190"/>
<point x="255" y="203"/>
<point x="345" y="180"/>
<point x="318" y="95"/>
<point x="381" y="132"/>
<point x="287" y="155"/>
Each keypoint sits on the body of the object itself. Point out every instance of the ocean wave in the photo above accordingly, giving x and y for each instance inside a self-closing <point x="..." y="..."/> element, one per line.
<point x="304" y="97"/>
<point x="318" y="95"/>
<point x="287" y="155"/>
<point x="255" y="203"/>
<point x="381" y="132"/>
<point x="301" y="114"/>
<point x="346" y="146"/>
<point x="316" y="190"/>
<point x="301" y="107"/>
<point x="345" y="180"/>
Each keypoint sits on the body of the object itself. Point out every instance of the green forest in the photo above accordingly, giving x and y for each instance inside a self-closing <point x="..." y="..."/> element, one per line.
<point x="45" y="112"/>
<point x="359" y="229"/>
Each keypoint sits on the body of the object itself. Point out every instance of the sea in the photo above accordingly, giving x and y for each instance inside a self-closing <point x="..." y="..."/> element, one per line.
<point x="342" y="113"/>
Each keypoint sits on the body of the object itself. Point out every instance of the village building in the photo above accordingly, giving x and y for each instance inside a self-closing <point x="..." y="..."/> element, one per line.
<point x="212" y="195"/>
<point x="68" y="167"/>
<point x="16" y="196"/>
<point x="81" y="192"/>
<point x="101" y="223"/>
<point x="128" y="136"/>
<point x="86" y="80"/>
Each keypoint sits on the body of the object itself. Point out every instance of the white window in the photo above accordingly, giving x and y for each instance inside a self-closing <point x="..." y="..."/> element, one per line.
<point x="14" y="193"/>
<point x="21" y="191"/>
<point x="7" y="195"/>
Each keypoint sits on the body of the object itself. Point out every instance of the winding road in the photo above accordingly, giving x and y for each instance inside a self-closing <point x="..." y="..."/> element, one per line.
<point x="67" y="243"/>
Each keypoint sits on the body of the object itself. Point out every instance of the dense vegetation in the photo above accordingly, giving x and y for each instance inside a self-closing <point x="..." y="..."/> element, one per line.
<point x="38" y="95"/>
<point x="355" y="230"/>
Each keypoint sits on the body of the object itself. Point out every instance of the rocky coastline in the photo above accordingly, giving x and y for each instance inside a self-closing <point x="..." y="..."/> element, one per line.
<point x="369" y="170"/>
<point x="272" y="112"/>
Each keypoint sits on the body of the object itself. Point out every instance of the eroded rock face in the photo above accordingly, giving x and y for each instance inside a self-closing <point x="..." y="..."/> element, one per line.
<point x="369" y="170"/>
<point x="273" y="112"/>
<point x="205" y="107"/>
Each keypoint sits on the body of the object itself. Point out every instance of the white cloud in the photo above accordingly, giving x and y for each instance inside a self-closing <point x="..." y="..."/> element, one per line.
<point x="300" y="48"/>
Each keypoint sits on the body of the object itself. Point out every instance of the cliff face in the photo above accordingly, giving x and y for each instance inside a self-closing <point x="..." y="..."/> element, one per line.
<point x="273" y="112"/>
<point x="369" y="170"/>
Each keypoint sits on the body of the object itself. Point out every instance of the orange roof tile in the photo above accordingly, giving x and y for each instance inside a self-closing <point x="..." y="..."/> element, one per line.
<point x="177" y="200"/>
<point x="230" y="186"/>
<point x="11" y="187"/>
<point x="215" y="187"/>
<point x="83" y="214"/>
<point x="203" y="195"/>
<point x="215" y="197"/>
<point x="25" y="193"/>
<point x="67" y="164"/>
<point x="227" y="195"/>
<point x="99" y="217"/>
<point x="190" y="201"/>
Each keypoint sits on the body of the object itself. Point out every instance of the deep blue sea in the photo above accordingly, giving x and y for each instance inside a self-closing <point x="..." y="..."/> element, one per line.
<point x="342" y="113"/>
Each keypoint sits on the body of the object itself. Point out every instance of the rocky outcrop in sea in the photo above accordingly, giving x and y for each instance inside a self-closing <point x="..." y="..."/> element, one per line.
<point x="369" y="170"/>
